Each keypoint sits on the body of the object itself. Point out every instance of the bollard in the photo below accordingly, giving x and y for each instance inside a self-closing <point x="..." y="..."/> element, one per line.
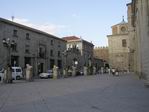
<point x="85" y="70"/>
<point x="73" y="71"/>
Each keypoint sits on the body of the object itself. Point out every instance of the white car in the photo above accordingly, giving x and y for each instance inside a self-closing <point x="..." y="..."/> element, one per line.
<point x="46" y="75"/>
<point x="17" y="73"/>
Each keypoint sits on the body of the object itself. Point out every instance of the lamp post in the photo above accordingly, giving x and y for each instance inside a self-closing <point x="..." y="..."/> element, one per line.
<point x="65" y="54"/>
<point x="8" y="44"/>
<point x="90" y="65"/>
<point x="8" y="74"/>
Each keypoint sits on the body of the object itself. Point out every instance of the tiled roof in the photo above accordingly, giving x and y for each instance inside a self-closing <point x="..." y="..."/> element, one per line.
<point x="74" y="38"/>
<point x="70" y="38"/>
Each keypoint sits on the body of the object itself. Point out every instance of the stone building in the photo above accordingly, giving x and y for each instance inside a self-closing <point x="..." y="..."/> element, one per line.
<point x="102" y="53"/>
<point x="131" y="35"/>
<point x="140" y="22"/>
<point x="119" y="53"/>
<point x="79" y="50"/>
<point x="30" y="46"/>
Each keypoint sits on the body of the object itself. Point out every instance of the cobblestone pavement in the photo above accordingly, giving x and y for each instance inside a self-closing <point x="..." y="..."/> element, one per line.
<point x="98" y="93"/>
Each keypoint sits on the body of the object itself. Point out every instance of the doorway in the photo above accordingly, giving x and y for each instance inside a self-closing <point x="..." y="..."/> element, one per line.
<point x="14" y="60"/>
<point x="27" y="61"/>
<point x="40" y="68"/>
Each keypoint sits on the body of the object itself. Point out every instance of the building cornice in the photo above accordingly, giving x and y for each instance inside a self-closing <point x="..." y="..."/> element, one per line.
<point x="117" y="35"/>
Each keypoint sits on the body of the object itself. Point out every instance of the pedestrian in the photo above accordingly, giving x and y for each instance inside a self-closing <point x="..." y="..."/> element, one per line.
<point x="109" y="71"/>
<point x="113" y="71"/>
<point x="102" y="70"/>
<point x="116" y="72"/>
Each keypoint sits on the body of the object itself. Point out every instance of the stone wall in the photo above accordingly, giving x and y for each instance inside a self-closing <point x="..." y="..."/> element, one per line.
<point x="29" y="48"/>
<point x="102" y="53"/>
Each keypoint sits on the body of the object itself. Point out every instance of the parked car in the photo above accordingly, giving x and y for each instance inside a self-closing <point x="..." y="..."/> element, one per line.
<point x="17" y="73"/>
<point x="46" y="75"/>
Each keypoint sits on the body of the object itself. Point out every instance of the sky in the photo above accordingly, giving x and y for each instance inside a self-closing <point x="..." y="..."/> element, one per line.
<point x="89" y="19"/>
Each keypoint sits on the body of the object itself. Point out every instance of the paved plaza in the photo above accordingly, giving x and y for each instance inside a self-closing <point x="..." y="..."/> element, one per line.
<point x="98" y="93"/>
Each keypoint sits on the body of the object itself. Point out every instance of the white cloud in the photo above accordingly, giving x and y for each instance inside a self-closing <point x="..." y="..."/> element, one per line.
<point x="46" y="27"/>
<point x="75" y="15"/>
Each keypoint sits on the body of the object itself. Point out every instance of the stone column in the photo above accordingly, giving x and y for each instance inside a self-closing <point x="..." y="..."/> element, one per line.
<point x="102" y="70"/>
<point x="65" y="73"/>
<point x="85" y="70"/>
<point x="29" y="74"/>
<point x="73" y="71"/>
<point x="94" y="70"/>
<point x="109" y="71"/>
<point x="7" y="74"/>
<point x="55" y="72"/>
<point x="5" y="78"/>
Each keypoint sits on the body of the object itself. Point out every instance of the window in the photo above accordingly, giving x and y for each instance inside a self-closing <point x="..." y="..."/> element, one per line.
<point x="114" y="30"/>
<point x="52" y="62"/>
<point x="15" y="33"/>
<point x="59" y="63"/>
<point x="59" y="44"/>
<point x="27" y="47"/>
<point x="14" y="46"/>
<point x="27" y="51"/>
<point x="59" y="54"/>
<point x="51" y="42"/>
<point x="27" y="36"/>
<point x="124" y="43"/>
<point x="42" y="51"/>
<point x="123" y="29"/>
<point x="51" y="52"/>
<point x="18" y="70"/>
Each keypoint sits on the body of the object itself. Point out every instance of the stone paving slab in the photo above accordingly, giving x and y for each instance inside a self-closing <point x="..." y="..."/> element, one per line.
<point x="98" y="93"/>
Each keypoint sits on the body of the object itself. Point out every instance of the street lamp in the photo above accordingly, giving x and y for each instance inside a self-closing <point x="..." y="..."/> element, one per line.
<point x="65" y="54"/>
<point x="89" y="61"/>
<point x="90" y="65"/>
<point x="8" y="44"/>
<point x="76" y="63"/>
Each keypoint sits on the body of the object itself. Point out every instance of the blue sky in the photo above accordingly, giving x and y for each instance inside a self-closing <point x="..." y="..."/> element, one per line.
<point x="89" y="19"/>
